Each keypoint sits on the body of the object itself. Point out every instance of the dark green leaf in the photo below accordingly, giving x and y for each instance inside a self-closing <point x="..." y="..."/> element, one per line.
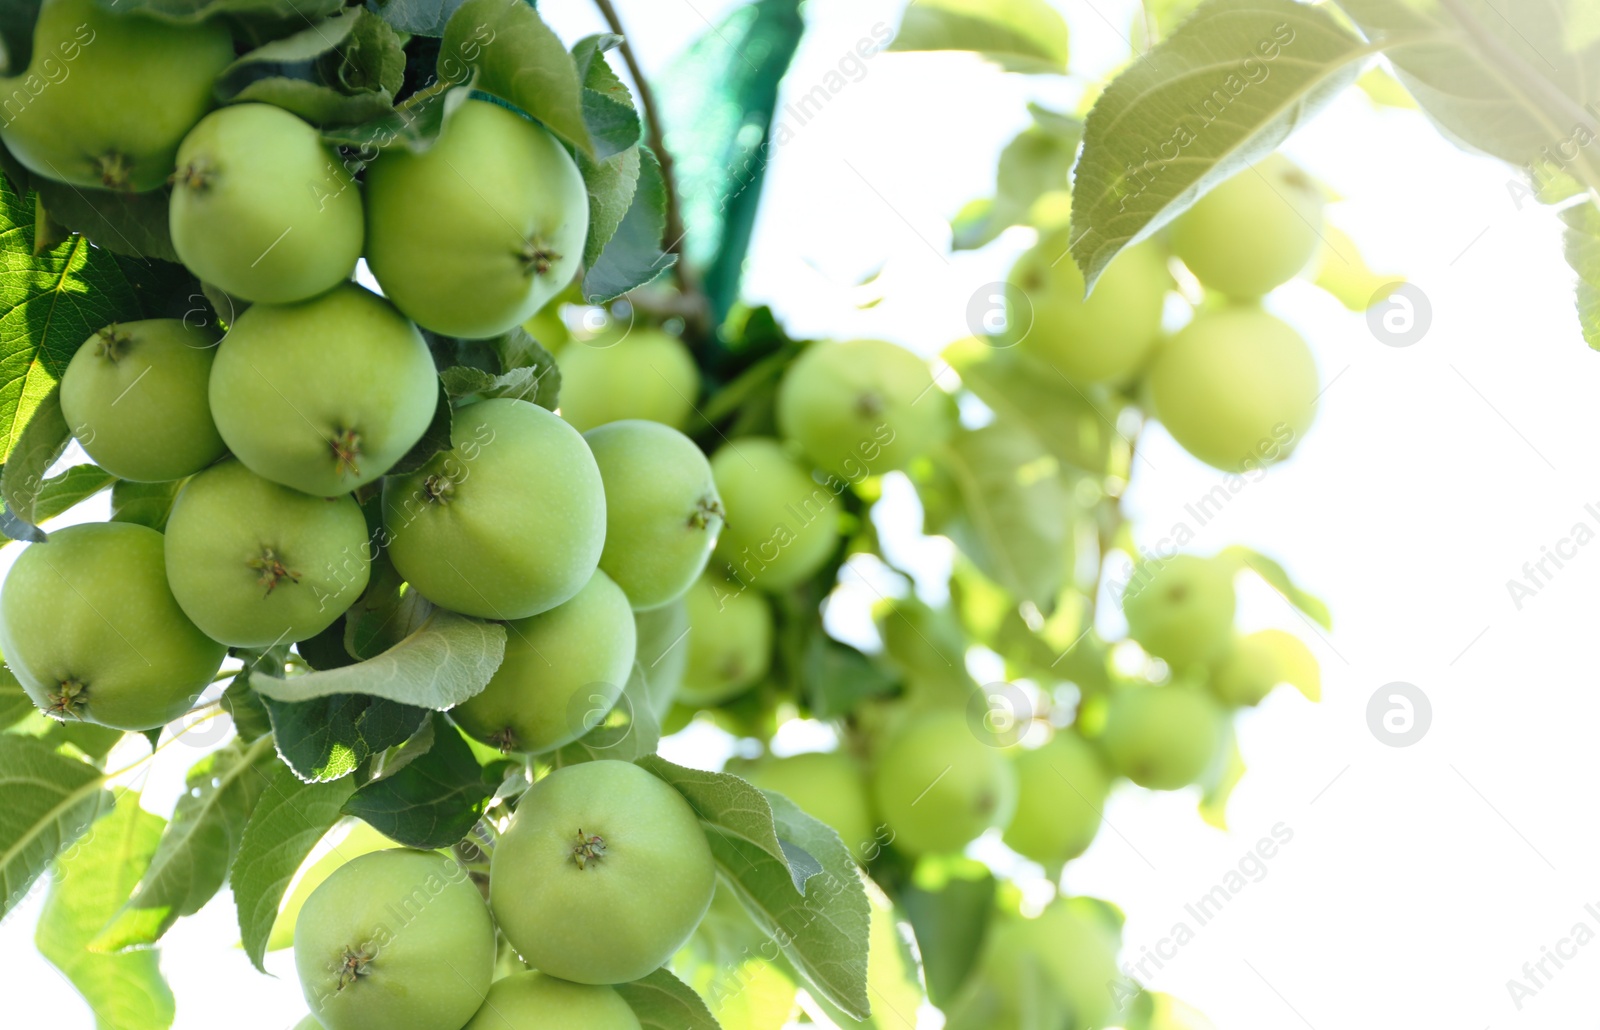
<point x="1019" y="35"/>
<point x="661" y="1001"/>
<point x="949" y="920"/>
<point x="418" y="17"/>
<point x="14" y="701"/>
<point x="134" y="224"/>
<point x="23" y="480"/>
<point x="838" y="678"/>
<point x="144" y="504"/>
<point x="330" y="737"/>
<point x="414" y="125"/>
<point x="290" y="11"/>
<point x="94" y="880"/>
<point x="611" y="185"/>
<point x="1216" y="96"/>
<point x="76" y="484"/>
<point x="287" y="823"/>
<point x="523" y="384"/>
<point x="247" y="709"/>
<point x="198" y="847"/>
<point x="326" y="649"/>
<point x="16" y="34"/>
<point x="434" y="800"/>
<point x="632" y="256"/>
<point x="717" y="111"/>
<point x="517" y="58"/>
<point x="343" y="70"/>
<point x="47" y="802"/>
<point x="607" y="104"/>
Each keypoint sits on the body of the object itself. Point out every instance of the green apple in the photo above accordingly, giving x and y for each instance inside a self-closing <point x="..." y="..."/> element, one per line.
<point x="359" y="839"/>
<point x="1162" y="737"/>
<point x="508" y="523"/>
<point x="662" y="509"/>
<point x="729" y="643"/>
<point x="1104" y="338"/>
<point x="938" y="787"/>
<point x="1061" y="794"/>
<point x="262" y="208"/>
<point x="663" y="652"/>
<point x="395" y="939"/>
<point x="782" y="525"/>
<point x="1254" y="232"/>
<point x="1071" y="947"/>
<point x="563" y="671"/>
<point x="108" y="96"/>
<point x="828" y="786"/>
<point x="91" y="629"/>
<point x="309" y="1023"/>
<point x="602" y="875"/>
<point x="256" y="564"/>
<point x="1258" y="662"/>
<point x="1236" y="387"/>
<point x="324" y="395"/>
<point x="135" y="396"/>
<point x="641" y="373"/>
<point x="533" y="1001"/>
<point x="472" y="236"/>
<point x="861" y="408"/>
<point x="1180" y="608"/>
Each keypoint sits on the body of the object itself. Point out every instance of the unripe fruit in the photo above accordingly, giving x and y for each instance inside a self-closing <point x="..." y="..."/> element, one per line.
<point x="262" y="208"/>
<point x="1181" y="608"/>
<point x="602" y="875"/>
<point x="395" y="939"/>
<point x="91" y="629"/>
<point x="361" y="839"/>
<point x="108" y="96"/>
<point x="1103" y="338"/>
<point x="1162" y="737"/>
<point x="828" y="786"/>
<point x="1075" y="950"/>
<point x="309" y="1023"/>
<point x="938" y="787"/>
<point x="256" y="564"/>
<point x="135" y="396"/>
<point x="531" y="1001"/>
<point x="729" y="643"/>
<point x="662" y="509"/>
<point x="1253" y="666"/>
<point x="1061" y="793"/>
<point x="782" y="526"/>
<point x="646" y="373"/>
<point x="563" y="671"/>
<point x="1254" y="232"/>
<point x="861" y="408"/>
<point x="1236" y="387"/>
<point x="471" y="237"/>
<point x="324" y="395"/>
<point x="508" y="523"/>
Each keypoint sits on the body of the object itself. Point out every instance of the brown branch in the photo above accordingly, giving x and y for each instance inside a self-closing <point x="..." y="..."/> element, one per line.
<point x="698" y="323"/>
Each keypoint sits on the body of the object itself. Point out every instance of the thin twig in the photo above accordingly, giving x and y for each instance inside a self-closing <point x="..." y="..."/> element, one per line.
<point x="688" y="281"/>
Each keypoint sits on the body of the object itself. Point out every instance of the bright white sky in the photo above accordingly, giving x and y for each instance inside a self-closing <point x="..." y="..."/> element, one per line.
<point x="1419" y="880"/>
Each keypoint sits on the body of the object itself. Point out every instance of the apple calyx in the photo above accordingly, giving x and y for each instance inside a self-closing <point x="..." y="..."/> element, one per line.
<point x="590" y="848"/>
<point x="69" y="700"/>
<point x="273" y="570"/>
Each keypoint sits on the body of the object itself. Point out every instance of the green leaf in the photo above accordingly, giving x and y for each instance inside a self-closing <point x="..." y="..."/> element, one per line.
<point x="418" y="17"/>
<point x="1019" y="35"/>
<point x="517" y="58"/>
<point x="75" y="485"/>
<point x="949" y="908"/>
<point x="14" y="701"/>
<point x="198" y="847"/>
<point x="343" y="70"/>
<point x="434" y="800"/>
<point x="445" y="661"/>
<point x="1079" y="428"/>
<point x="608" y="108"/>
<point x="1038" y="162"/>
<point x="1218" y="95"/>
<point x="632" y="256"/>
<point x="287" y="823"/>
<point x="892" y="975"/>
<point x="414" y="125"/>
<point x="731" y="808"/>
<point x="16" y="35"/>
<point x="717" y="109"/>
<point x="523" y="384"/>
<point x="190" y="11"/>
<point x="1345" y="276"/>
<point x="246" y="708"/>
<point x="47" y="802"/>
<point x="610" y="184"/>
<point x="134" y="224"/>
<point x="94" y="879"/>
<point x="144" y="504"/>
<point x="1002" y="500"/>
<point x="22" y="480"/>
<point x="1509" y="80"/>
<point x="838" y="678"/>
<point x="1583" y="254"/>
<point x="1278" y="578"/>
<point x="1218" y="783"/>
<point x="661" y="1001"/>
<point x="330" y="737"/>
